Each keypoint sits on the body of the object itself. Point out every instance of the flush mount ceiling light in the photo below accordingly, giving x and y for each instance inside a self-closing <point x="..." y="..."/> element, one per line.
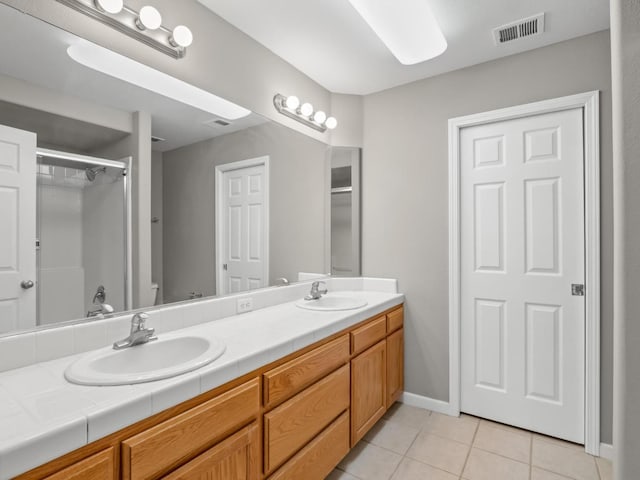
<point x="123" y="68"/>
<point x="145" y="25"/>
<point x="290" y="106"/>
<point x="407" y="28"/>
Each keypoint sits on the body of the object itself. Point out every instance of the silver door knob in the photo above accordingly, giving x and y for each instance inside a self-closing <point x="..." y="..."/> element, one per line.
<point x="27" y="284"/>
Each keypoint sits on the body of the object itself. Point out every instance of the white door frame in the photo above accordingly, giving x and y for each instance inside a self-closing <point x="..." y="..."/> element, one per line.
<point x="220" y="170"/>
<point x="589" y="102"/>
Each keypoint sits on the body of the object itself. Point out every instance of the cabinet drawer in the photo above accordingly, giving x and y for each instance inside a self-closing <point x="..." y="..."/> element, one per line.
<point x="236" y="457"/>
<point x="96" y="467"/>
<point x="395" y="319"/>
<point x="165" y="446"/>
<point x="285" y="381"/>
<point x="369" y="334"/>
<point x="320" y="457"/>
<point x="290" y="426"/>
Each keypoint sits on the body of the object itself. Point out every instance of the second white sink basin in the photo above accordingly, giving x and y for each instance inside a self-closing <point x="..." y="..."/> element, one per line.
<point x="163" y="358"/>
<point x="333" y="302"/>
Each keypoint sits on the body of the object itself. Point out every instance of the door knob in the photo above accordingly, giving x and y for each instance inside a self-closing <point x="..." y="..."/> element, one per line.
<point x="27" y="284"/>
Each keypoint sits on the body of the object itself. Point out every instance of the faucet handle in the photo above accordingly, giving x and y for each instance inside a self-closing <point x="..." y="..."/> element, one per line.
<point x="138" y="321"/>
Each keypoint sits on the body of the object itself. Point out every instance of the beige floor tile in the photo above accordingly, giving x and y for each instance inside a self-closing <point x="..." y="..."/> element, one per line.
<point x="396" y="437"/>
<point x="414" y="470"/>
<point x="605" y="467"/>
<point x="539" y="474"/>
<point x="558" y="442"/>
<point x="512" y="443"/>
<point x="407" y="415"/>
<point x="340" y="475"/>
<point x="370" y="462"/>
<point x="564" y="460"/>
<point x="439" y="452"/>
<point x="461" y="429"/>
<point x="483" y="465"/>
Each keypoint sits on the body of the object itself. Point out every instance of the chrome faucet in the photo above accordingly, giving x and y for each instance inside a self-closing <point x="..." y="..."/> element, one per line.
<point x="315" y="292"/>
<point x="139" y="333"/>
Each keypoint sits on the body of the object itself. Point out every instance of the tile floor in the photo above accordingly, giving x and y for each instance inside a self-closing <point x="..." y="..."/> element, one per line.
<point x="414" y="444"/>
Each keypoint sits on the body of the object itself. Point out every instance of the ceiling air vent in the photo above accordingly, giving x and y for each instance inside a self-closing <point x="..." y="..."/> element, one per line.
<point x="157" y="139"/>
<point x="217" y="122"/>
<point x="525" y="27"/>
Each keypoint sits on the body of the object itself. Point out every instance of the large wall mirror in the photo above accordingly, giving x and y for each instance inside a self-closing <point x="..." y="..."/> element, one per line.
<point x="136" y="199"/>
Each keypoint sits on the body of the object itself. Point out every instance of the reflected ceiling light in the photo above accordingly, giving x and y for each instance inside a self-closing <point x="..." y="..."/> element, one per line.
<point x="407" y="28"/>
<point x="290" y="106"/>
<point x="149" y="18"/>
<point x="110" y="6"/>
<point x="145" y="25"/>
<point x="181" y="37"/>
<point x="135" y="73"/>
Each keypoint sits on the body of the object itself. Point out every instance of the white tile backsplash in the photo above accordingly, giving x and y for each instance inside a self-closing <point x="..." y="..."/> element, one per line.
<point x="54" y="343"/>
<point x="17" y="351"/>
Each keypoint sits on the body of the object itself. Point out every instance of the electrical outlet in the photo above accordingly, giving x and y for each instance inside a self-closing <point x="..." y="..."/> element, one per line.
<point x="244" y="305"/>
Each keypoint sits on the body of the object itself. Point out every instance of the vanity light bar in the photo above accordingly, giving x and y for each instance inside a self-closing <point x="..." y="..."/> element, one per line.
<point x="145" y="25"/>
<point x="290" y="107"/>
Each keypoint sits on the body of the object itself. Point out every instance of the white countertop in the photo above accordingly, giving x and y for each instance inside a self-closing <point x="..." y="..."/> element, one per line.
<point x="43" y="416"/>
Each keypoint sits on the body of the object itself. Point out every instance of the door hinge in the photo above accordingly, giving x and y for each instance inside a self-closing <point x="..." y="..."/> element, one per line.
<point x="577" y="289"/>
<point x="224" y="266"/>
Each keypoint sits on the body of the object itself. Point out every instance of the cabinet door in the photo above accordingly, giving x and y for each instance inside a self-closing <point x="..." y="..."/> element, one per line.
<point x="97" y="467"/>
<point x="368" y="389"/>
<point x="236" y="458"/>
<point x="395" y="366"/>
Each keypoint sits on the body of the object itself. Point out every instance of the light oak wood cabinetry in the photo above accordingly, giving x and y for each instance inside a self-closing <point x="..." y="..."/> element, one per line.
<point x="295" y="418"/>
<point x="236" y="458"/>
<point x="100" y="466"/>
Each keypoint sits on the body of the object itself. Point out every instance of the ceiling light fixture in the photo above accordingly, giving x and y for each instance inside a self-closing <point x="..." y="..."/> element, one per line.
<point x="290" y="106"/>
<point x="121" y="67"/>
<point x="408" y="28"/>
<point x="145" y="25"/>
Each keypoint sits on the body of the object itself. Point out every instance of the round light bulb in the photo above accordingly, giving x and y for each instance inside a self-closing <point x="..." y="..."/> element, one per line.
<point x="110" y="6"/>
<point x="306" y="109"/>
<point x="149" y="18"/>
<point x="292" y="102"/>
<point x="331" y="123"/>
<point x="319" y="117"/>
<point x="182" y="36"/>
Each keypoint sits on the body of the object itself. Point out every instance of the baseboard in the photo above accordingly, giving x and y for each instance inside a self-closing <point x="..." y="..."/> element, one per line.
<point x="606" y="451"/>
<point x="432" y="404"/>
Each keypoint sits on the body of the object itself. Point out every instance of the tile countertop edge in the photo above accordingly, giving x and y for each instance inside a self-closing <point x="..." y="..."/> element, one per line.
<point x="144" y="400"/>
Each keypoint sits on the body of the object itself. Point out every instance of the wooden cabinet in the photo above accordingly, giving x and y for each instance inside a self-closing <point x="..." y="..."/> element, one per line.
<point x="293" y="424"/>
<point x="368" y="389"/>
<point x="168" y="445"/>
<point x="236" y="458"/>
<point x="295" y="418"/>
<point x="395" y="366"/>
<point x="100" y="466"/>
<point x="319" y="458"/>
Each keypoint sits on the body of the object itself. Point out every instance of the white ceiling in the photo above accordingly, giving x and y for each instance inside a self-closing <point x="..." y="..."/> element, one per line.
<point x="329" y="41"/>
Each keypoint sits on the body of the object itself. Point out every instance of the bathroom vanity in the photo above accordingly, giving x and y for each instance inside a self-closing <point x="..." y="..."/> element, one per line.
<point x="292" y="417"/>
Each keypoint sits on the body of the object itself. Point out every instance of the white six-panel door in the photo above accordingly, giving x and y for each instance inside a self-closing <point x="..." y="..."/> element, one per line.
<point x="244" y="264"/>
<point x="17" y="229"/>
<point x="522" y="248"/>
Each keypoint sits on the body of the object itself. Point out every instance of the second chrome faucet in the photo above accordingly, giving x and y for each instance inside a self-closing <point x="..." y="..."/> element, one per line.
<point x="316" y="293"/>
<point x="139" y="333"/>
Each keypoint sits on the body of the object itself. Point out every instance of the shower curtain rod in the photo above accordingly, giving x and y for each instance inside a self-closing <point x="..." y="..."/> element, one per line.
<point x="74" y="157"/>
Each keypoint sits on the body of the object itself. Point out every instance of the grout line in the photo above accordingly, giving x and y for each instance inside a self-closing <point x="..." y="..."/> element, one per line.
<point x="530" y="456"/>
<point x="475" y="433"/>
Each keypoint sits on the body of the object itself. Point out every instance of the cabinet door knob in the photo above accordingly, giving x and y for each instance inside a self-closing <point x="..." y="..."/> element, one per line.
<point x="27" y="284"/>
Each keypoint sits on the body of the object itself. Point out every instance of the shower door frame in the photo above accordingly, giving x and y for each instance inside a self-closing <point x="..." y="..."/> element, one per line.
<point x="125" y="165"/>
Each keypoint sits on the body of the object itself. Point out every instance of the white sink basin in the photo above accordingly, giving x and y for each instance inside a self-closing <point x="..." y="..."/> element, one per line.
<point x="333" y="302"/>
<point x="163" y="358"/>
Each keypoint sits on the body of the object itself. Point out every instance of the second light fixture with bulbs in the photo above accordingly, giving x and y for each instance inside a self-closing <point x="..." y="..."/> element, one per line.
<point x="304" y="113"/>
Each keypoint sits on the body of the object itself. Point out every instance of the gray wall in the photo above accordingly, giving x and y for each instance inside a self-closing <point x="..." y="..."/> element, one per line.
<point x="625" y="65"/>
<point x="405" y="189"/>
<point x="296" y="239"/>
